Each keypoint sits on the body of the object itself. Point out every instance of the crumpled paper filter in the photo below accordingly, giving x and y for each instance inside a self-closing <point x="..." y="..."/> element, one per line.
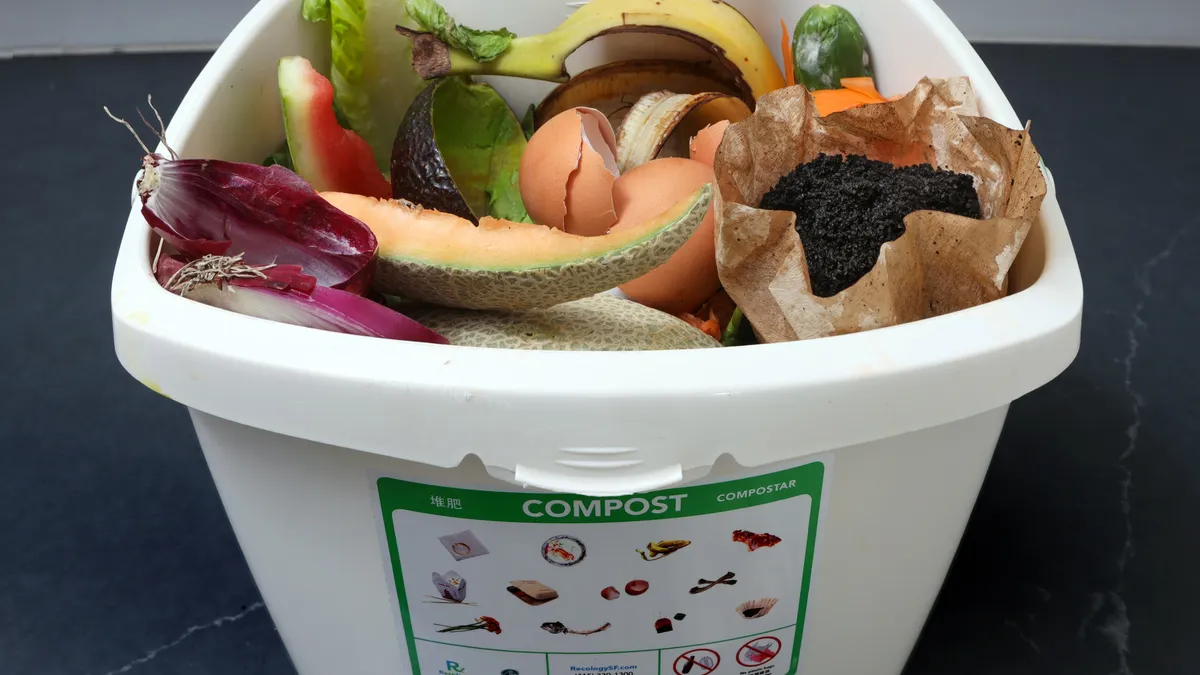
<point x="941" y="264"/>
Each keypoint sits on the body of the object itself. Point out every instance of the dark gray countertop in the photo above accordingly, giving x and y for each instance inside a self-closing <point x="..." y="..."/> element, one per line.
<point x="1081" y="557"/>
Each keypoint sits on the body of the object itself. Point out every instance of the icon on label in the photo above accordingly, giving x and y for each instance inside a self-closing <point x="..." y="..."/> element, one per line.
<point x="758" y="651"/>
<point x="451" y="588"/>
<point x="697" y="662"/>
<point x="531" y="592"/>
<point x="564" y="550"/>
<point x="463" y="545"/>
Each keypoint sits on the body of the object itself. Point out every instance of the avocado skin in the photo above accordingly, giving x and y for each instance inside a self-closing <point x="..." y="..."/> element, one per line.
<point x="829" y="45"/>
<point x="419" y="173"/>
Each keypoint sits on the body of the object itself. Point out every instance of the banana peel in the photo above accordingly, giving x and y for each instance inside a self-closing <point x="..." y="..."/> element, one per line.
<point x="713" y="25"/>
<point x="613" y="88"/>
<point x="657" y="550"/>
<point x="658" y="104"/>
<point x="656" y="116"/>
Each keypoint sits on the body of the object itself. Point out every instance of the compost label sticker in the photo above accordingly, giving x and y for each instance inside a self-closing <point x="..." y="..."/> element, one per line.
<point x="706" y="578"/>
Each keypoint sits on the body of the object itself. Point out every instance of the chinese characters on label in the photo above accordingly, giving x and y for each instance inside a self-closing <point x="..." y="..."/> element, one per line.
<point x="451" y="503"/>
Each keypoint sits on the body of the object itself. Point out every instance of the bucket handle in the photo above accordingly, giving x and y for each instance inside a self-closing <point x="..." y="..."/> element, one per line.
<point x="598" y="476"/>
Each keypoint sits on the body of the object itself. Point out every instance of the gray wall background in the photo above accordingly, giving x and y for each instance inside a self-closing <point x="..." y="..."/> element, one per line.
<point x="40" y="26"/>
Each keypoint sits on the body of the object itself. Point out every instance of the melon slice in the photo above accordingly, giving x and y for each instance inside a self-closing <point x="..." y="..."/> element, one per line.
<point x="445" y="260"/>
<point x="324" y="154"/>
<point x="601" y="323"/>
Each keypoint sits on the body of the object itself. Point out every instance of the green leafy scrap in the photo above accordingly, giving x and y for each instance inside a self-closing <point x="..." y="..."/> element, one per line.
<point x="315" y="10"/>
<point x="372" y="88"/>
<point x="282" y="158"/>
<point x="482" y="45"/>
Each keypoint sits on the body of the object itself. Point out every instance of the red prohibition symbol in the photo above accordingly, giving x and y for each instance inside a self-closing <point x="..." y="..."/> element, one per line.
<point x="697" y="662"/>
<point x="758" y="651"/>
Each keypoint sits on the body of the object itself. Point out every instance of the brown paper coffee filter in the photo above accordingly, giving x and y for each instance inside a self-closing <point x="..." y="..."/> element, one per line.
<point x="941" y="264"/>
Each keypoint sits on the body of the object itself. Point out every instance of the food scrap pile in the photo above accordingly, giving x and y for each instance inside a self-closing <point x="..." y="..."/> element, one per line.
<point x="720" y="200"/>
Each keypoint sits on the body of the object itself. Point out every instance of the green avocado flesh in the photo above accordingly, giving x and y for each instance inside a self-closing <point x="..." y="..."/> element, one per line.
<point x="458" y="151"/>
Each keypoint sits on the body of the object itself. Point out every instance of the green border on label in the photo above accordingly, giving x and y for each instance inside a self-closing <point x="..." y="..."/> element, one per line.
<point x="530" y="507"/>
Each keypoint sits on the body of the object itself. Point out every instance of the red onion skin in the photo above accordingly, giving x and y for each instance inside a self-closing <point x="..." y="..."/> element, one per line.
<point x="267" y="214"/>
<point x="279" y="277"/>
<point x="287" y="295"/>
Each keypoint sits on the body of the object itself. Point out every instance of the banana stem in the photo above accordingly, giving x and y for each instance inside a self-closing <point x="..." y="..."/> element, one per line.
<point x="540" y="57"/>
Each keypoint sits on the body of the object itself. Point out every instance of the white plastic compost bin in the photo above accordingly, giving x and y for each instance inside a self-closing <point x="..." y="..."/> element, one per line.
<point x="353" y="469"/>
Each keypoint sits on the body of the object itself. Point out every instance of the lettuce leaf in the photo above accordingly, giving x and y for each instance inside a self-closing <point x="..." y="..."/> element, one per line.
<point x="373" y="81"/>
<point x="316" y="10"/>
<point x="483" y="45"/>
<point x="282" y="158"/>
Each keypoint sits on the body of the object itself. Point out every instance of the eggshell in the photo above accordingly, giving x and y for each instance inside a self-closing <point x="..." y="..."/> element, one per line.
<point x="590" y="208"/>
<point x="704" y="146"/>
<point x="689" y="277"/>
<point x="567" y="173"/>
<point x="550" y="157"/>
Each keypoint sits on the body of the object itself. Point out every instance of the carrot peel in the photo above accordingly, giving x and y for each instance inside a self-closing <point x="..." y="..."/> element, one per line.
<point x="855" y="92"/>
<point x="789" y="66"/>
<point x="710" y="326"/>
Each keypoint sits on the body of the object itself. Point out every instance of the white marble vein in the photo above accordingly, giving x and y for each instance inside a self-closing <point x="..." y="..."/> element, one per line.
<point x="1115" y="626"/>
<point x="1024" y="637"/>
<point x="1086" y="621"/>
<point x="215" y="623"/>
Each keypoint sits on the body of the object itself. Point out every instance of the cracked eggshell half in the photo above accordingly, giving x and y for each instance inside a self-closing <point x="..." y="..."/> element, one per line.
<point x="567" y="173"/>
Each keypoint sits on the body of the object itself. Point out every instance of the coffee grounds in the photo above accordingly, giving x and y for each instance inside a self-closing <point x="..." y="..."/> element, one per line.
<point x="846" y="209"/>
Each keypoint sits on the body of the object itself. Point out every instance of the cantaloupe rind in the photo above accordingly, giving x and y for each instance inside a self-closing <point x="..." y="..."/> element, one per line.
<point x="444" y="260"/>
<point x="596" y="323"/>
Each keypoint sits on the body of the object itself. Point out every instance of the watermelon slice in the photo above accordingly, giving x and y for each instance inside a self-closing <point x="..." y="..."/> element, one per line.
<point x="328" y="156"/>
